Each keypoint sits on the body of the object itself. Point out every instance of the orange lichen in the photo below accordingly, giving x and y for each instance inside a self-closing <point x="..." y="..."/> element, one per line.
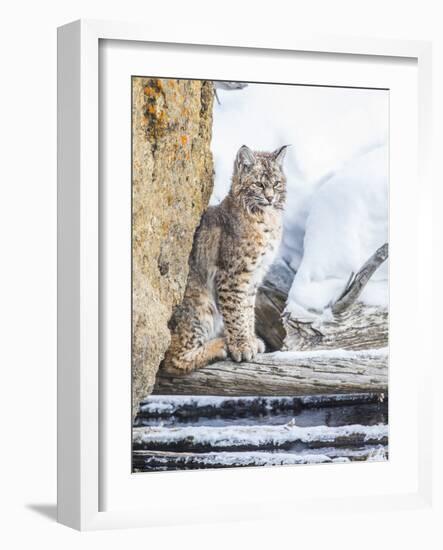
<point x="149" y="91"/>
<point x="155" y="110"/>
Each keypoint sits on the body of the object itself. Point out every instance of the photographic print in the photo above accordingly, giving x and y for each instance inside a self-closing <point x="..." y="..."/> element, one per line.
<point x="259" y="274"/>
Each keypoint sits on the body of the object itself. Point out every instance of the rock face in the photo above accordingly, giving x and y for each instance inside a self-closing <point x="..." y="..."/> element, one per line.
<point x="171" y="185"/>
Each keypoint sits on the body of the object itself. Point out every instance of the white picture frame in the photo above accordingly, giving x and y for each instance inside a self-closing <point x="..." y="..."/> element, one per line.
<point x="79" y="409"/>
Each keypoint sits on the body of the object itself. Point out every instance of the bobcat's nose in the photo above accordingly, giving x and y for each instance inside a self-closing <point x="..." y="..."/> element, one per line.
<point x="268" y="196"/>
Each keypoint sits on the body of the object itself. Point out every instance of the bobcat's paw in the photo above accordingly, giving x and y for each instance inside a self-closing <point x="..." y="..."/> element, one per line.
<point x="217" y="350"/>
<point x="175" y="369"/>
<point x="243" y="351"/>
<point x="261" y="348"/>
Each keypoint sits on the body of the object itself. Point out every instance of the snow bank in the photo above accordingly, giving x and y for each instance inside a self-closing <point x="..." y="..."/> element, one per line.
<point x="347" y="223"/>
<point x="325" y="127"/>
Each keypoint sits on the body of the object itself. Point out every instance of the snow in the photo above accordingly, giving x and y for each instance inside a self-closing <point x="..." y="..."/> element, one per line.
<point x="170" y="404"/>
<point x="369" y="453"/>
<point x="332" y="354"/>
<point x="161" y="460"/>
<point x="336" y="212"/>
<point x="347" y="223"/>
<point x="257" y="458"/>
<point x="264" y="435"/>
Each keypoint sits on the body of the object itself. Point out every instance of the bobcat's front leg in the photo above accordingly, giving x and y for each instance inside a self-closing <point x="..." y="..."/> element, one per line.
<point x="237" y="307"/>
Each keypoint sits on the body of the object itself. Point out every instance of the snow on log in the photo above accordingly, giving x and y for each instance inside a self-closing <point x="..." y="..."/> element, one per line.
<point x="256" y="438"/>
<point x="286" y="374"/>
<point x="357" y="282"/>
<point x="195" y="406"/>
<point x="165" y="460"/>
<point x="352" y="324"/>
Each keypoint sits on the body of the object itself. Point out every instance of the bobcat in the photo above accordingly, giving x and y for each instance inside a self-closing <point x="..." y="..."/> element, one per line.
<point x="233" y="247"/>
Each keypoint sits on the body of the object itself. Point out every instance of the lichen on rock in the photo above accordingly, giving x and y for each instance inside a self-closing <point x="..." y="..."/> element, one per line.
<point x="172" y="180"/>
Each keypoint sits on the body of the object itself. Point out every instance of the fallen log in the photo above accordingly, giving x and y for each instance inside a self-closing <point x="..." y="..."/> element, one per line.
<point x="352" y="324"/>
<point x="170" y="460"/>
<point x="357" y="327"/>
<point x="203" y="439"/>
<point x="195" y="406"/>
<point x="286" y="374"/>
<point x="270" y="303"/>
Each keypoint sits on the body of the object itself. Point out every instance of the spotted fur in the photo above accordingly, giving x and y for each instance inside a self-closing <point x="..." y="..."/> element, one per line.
<point x="234" y="246"/>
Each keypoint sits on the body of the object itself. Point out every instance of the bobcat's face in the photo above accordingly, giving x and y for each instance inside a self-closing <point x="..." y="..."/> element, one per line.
<point x="259" y="181"/>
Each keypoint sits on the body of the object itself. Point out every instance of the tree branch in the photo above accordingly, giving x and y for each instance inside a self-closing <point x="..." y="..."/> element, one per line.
<point x="355" y="285"/>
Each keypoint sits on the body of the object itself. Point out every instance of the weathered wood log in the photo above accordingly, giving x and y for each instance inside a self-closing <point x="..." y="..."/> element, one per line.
<point x="357" y="327"/>
<point x="185" y="407"/>
<point x="289" y="374"/>
<point x="270" y="303"/>
<point x="170" y="460"/>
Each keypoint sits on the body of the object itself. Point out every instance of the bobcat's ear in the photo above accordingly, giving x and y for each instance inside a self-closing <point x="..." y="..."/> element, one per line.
<point x="279" y="154"/>
<point x="245" y="157"/>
